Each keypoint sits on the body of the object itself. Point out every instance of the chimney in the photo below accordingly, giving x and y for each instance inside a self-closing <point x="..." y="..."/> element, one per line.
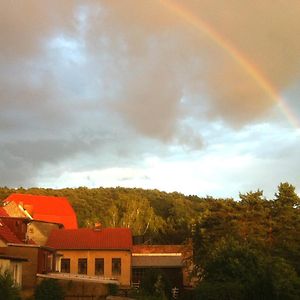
<point x="97" y="226"/>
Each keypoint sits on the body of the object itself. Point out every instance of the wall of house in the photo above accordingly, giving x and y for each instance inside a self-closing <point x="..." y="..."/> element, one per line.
<point x="4" y="265"/>
<point x="40" y="231"/>
<point x="13" y="210"/>
<point x="2" y="244"/>
<point x="45" y="261"/>
<point x="30" y="267"/>
<point x="90" y="255"/>
<point x="15" y="269"/>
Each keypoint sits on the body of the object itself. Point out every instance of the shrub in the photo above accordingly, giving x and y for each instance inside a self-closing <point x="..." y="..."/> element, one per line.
<point x="155" y="284"/>
<point x="8" y="290"/>
<point x="49" y="289"/>
<point x="113" y="289"/>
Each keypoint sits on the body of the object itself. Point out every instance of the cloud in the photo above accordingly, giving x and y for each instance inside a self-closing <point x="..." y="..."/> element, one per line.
<point x="146" y="58"/>
<point x="159" y="57"/>
<point x="104" y="84"/>
<point x="26" y="25"/>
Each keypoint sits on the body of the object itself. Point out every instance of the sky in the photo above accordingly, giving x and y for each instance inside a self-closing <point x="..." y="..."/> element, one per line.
<point x="200" y="97"/>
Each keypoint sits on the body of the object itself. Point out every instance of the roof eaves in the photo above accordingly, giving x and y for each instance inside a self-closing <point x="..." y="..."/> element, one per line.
<point x="32" y="246"/>
<point x="94" y="249"/>
<point x="23" y="245"/>
<point x="15" y="258"/>
<point x="16" y="218"/>
<point x="42" y="221"/>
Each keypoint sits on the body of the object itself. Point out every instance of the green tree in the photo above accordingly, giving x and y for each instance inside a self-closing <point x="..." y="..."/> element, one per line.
<point x="8" y="290"/>
<point x="287" y="196"/>
<point x="217" y="221"/>
<point x="135" y="212"/>
<point x="254" y="218"/>
<point x="286" y="216"/>
<point x="239" y="271"/>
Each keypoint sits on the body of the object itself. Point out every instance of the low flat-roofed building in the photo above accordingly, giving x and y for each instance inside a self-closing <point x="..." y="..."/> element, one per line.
<point x="171" y="259"/>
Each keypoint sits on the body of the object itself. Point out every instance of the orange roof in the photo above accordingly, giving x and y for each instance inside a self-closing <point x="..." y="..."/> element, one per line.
<point x="3" y="212"/>
<point x="86" y="238"/>
<point x="7" y="235"/>
<point x="157" y="249"/>
<point x="47" y="208"/>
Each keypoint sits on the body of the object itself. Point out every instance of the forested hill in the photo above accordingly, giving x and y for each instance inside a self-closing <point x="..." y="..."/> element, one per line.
<point x="172" y="217"/>
<point x="246" y="246"/>
<point x="163" y="217"/>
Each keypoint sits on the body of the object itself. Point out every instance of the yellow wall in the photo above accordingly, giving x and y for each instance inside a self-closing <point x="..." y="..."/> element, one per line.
<point x="13" y="209"/>
<point x="40" y="231"/>
<point x="14" y="267"/>
<point x="30" y="267"/>
<point x="2" y="243"/>
<point x="4" y="265"/>
<point x="125" y="256"/>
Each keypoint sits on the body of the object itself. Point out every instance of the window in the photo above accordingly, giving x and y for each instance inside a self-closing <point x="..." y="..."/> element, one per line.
<point x="116" y="266"/>
<point x="65" y="265"/>
<point x="49" y="262"/>
<point x="82" y="266"/>
<point x="15" y="273"/>
<point x="99" y="266"/>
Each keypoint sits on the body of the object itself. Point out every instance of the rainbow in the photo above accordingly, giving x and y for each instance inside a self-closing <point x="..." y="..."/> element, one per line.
<point x="235" y="54"/>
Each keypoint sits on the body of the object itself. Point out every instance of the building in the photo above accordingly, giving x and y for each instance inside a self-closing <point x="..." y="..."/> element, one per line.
<point x="14" y="251"/>
<point x="37" y="258"/>
<point x="104" y="253"/>
<point x="19" y="243"/>
<point x="172" y="260"/>
<point x="43" y="231"/>
<point x="41" y="208"/>
<point x="13" y="265"/>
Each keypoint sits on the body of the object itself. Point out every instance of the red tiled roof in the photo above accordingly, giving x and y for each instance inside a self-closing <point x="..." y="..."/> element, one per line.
<point x="7" y="235"/>
<point x="3" y="212"/>
<point x="48" y="208"/>
<point x="86" y="238"/>
<point x="157" y="249"/>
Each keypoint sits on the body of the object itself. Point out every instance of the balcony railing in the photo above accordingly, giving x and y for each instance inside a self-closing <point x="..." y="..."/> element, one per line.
<point x="80" y="277"/>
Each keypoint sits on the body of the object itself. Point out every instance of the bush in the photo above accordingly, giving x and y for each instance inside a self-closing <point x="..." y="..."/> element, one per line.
<point x="49" y="289"/>
<point x="155" y="284"/>
<point x="8" y="290"/>
<point x="113" y="289"/>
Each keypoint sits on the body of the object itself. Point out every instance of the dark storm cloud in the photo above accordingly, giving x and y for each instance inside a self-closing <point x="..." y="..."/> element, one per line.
<point x="87" y="77"/>
<point x="22" y="160"/>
